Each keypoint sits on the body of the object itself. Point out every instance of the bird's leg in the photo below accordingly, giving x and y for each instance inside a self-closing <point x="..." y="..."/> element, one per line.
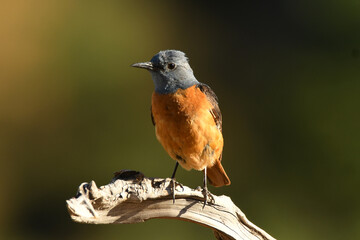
<point x="173" y="180"/>
<point x="205" y="190"/>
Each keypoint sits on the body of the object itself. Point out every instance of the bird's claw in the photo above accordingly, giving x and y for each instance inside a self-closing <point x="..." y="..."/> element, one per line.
<point x="174" y="184"/>
<point x="208" y="198"/>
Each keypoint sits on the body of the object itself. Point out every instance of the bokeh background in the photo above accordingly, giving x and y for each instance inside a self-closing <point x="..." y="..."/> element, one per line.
<point x="287" y="74"/>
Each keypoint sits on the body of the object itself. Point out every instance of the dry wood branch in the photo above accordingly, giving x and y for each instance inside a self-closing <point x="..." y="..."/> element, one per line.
<point x="132" y="198"/>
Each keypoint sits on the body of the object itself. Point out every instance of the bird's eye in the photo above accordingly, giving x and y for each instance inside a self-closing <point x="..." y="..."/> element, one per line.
<point x="171" y="66"/>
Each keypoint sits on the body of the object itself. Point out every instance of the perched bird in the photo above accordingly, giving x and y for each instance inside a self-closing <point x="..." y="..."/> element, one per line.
<point x="187" y="118"/>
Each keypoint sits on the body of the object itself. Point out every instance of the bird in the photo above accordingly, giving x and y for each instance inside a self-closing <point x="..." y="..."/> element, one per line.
<point x="187" y="118"/>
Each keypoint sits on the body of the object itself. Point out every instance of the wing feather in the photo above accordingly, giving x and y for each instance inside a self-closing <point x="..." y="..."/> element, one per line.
<point x="215" y="111"/>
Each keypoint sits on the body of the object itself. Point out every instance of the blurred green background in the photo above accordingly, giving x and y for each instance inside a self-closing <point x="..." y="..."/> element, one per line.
<point x="72" y="110"/>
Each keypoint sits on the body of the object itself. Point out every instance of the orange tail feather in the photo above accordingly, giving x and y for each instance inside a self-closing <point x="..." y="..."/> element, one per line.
<point x="217" y="176"/>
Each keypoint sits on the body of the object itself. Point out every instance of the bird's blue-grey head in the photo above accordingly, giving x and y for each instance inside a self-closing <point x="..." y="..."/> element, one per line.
<point x="170" y="70"/>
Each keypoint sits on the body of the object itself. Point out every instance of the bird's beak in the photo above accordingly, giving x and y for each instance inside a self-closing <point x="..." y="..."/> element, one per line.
<point x="145" y="65"/>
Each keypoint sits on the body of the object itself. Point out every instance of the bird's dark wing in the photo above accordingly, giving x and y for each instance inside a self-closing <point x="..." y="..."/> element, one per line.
<point x="215" y="111"/>
<point x="152" y="116"/>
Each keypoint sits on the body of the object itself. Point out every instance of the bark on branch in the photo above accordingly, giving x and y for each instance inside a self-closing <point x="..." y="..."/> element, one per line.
<point x="132" y="198"/>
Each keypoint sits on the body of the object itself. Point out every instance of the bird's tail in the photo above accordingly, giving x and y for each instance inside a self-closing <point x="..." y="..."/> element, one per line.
<point x="217" y="175"/>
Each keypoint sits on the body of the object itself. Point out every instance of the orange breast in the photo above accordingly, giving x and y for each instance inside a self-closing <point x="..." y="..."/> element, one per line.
<point x="186" y="128"/>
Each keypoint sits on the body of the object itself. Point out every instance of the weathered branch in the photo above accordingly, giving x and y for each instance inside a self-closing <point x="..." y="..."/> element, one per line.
<point x="132" y="198"/>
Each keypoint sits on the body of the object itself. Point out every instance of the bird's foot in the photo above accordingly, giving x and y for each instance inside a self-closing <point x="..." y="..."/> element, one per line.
<point x="173" y="186"/>
<point x="207" y="196"/>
